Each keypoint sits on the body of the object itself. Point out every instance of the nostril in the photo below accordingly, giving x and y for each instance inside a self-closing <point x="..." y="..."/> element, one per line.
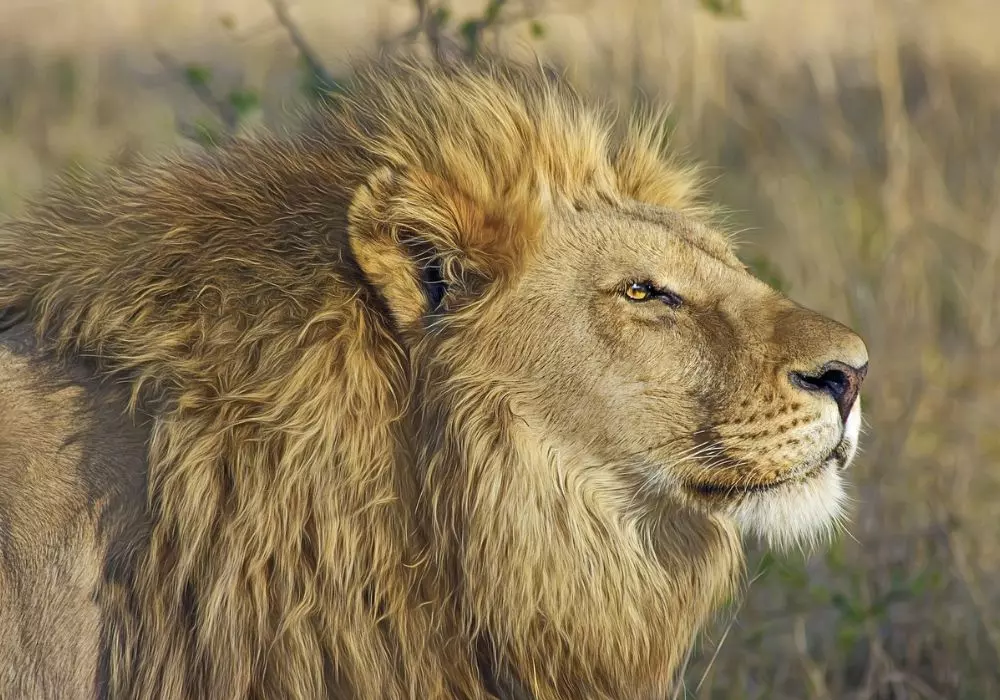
<point x="832" y="381"/>
<point x="838" y="380"/>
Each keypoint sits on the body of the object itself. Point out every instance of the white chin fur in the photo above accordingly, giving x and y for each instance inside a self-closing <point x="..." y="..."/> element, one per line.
<point x="799" y="514"/>
<point x="803" y="513"/>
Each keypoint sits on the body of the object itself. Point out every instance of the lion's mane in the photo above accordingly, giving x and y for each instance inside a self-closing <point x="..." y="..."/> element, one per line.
<point x="309" y="539"/>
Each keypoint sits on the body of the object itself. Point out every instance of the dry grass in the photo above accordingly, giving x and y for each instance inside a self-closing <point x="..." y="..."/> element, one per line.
<point x="857" y="143"/>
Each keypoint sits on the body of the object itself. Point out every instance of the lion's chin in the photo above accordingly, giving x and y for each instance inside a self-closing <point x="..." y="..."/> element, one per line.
<point x="799" y="513"/>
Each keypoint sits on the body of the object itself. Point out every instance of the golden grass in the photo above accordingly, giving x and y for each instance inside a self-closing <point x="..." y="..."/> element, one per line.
<point x="857" y="143"/>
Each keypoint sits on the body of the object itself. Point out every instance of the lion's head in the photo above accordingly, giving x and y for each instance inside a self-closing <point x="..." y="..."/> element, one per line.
<point x="646" y="350"/>
<point x="497" y="395"/>
<point x="576" y="277"/>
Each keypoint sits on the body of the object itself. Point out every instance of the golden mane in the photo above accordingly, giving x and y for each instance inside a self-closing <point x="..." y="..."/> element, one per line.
<point x="325" y="525"/>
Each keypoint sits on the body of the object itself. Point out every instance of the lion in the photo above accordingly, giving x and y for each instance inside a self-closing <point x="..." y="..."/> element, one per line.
<point x="456" y="390"/>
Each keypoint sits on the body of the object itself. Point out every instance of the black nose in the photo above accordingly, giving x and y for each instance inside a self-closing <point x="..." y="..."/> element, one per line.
<point x="839" y="380"/>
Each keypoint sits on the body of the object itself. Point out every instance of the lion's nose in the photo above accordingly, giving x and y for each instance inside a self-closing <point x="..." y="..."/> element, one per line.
<point x="838" y="379"/>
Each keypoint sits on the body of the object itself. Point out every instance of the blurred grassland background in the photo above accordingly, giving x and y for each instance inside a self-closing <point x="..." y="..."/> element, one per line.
<point x="855" y="143"/>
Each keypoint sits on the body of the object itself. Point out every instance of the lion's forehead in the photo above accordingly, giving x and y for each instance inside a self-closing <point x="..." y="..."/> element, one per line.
<point x="605" y="247"/>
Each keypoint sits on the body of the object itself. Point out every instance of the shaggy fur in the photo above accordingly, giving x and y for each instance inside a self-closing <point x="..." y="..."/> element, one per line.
<point x="368" y="474"/>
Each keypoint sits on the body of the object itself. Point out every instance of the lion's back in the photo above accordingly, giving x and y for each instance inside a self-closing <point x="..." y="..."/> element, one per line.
<point x="71" y="514"/>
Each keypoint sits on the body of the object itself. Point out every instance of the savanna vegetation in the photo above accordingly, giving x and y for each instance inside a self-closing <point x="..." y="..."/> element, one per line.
<point x="855" y="144"/>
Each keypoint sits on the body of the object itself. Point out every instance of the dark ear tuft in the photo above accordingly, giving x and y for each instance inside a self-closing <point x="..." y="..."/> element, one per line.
<point x="434" y="284"/>
<point x="429" y="270"/>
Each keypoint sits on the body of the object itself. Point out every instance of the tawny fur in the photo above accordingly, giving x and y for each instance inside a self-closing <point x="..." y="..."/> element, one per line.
<point x="342" y="504"/>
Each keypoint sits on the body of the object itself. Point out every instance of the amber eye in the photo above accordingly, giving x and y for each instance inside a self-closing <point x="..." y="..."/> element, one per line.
<point x="640" y="291"/>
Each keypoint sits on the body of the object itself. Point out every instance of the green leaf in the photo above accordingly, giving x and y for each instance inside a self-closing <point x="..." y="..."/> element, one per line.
<point x="197" y="75"/>
<point x="66" y="80"/>
<point x="840" y="602"/>
<point x="206" y="133"/>
<point x="851" y="612"/>
<point x="244" y="101"/>
<point x="537" y="29"/>
<point x="470" y="32"/>
<point x="767" y="560"/>
<point x="315" y="85"/>
<point x="847" y="637"/>
<point x="492" y="11"/>
<point x="835" y="555"/>
<point x="440" y="16"/>
<point x="792" y="575"/>
<point x="724" y="8"/>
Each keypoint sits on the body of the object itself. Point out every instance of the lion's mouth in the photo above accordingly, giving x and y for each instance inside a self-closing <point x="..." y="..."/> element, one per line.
<point x="710" y="490"/>
<point x="836" y="457"/>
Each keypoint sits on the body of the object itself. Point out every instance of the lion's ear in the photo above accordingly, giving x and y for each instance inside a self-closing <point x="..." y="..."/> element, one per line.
<point x="424" y="245"/>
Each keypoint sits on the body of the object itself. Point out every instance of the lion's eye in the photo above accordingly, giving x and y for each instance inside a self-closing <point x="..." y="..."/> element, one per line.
<point x="640" y="291"/>
<point x="644" y="291"/>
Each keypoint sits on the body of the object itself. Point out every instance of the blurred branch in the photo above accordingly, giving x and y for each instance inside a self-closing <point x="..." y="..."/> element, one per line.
<point x="433" y="18"/>
<point x="197" y="80"/>
<point x="961" y="561"/>
<point x="724" y="8"/>
<point x="447" y="44"/>
<point x="428" y="23"/>
<point x="311" y="58"/>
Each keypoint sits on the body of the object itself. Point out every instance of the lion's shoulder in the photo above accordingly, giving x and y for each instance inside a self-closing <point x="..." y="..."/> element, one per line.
<point x="72" y="514"/>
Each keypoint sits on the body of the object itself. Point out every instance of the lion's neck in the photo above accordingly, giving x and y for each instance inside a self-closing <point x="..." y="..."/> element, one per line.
<point x="579" y="596"/>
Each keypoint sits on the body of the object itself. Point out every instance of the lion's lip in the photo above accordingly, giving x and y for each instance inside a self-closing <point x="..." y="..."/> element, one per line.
<point x="836" y="456"/>
<point x="716" y="490"/>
